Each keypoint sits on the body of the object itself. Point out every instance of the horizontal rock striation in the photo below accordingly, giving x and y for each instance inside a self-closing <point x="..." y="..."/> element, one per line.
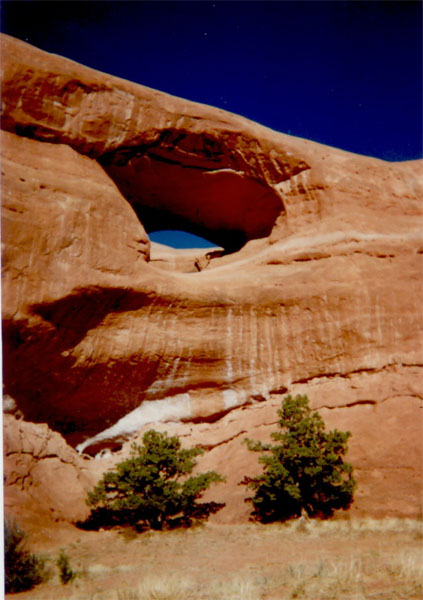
<point x="382" y="409"/>
<point x="318" y="279"/>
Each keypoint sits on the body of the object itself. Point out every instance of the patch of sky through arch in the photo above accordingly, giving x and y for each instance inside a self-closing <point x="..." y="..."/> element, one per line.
<point x="180" y="239"/>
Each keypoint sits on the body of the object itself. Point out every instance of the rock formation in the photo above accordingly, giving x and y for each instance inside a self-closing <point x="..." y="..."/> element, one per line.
<point x="45" y="478"/>
<point x="317" y="285"/>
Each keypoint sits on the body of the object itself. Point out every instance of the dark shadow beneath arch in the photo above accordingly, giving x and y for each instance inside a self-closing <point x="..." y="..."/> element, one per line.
<point x="224" y="206"/>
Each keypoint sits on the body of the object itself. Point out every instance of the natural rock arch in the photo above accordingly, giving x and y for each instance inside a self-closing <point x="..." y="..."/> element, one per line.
<point x="224" y="206"/>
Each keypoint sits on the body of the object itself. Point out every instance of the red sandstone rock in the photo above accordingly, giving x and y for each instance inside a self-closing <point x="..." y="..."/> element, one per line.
<point x="100" y="341"/>
<point x="46" y="480"/>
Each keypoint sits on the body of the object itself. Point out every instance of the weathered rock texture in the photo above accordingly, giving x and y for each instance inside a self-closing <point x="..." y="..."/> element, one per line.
<point x="45" y="479"/>
<point x="320" y="279"/>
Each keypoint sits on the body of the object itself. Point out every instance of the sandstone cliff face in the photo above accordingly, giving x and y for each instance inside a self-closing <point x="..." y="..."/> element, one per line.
<point x="320" y="278"/>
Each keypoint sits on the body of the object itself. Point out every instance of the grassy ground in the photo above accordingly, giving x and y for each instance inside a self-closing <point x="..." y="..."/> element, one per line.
<point x="331" y="560"/>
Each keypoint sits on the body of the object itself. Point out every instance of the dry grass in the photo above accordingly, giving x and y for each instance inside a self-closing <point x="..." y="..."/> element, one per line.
<point x="159" y="588"/>
<point x="359" y="559"/>
<point x="349" y="527"/>
<point x="362" y="578"/>
<point x="235" y="589"/>
<point x="365" y="578"/>
<point x="176" y="588"/>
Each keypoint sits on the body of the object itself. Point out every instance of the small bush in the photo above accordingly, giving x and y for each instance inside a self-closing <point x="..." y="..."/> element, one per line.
<point x="66" y="573"/>
<point x="151" y="489"/>
<point x="304" y="471"/>
<point x="23" y="569"/>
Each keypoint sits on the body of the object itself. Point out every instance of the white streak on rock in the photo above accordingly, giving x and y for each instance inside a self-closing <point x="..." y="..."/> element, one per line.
<point x="233" y="398"/>
<point x="173" y="408"/>
<point x="172" y="374"/>
<point x="229" y="333"/>
<point x="252" y="348"/>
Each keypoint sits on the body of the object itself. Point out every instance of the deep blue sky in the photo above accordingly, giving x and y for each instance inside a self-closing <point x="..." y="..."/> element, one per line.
<point x="347" y="74"/>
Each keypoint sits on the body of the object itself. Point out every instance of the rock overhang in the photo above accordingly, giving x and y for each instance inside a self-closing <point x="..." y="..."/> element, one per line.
<point x="224" y="206"/>
<point x="180" y="165"/>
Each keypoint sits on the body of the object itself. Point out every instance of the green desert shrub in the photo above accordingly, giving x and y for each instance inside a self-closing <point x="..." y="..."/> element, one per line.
<point x="152" y="488"/>
<point x="66" y="573"/>
<point x="23" y="570"/>
<point x="304" y="472"/>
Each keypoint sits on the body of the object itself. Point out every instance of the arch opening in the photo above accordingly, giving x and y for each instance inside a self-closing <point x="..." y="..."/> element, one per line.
<point x="181" y="240"/>
<point x="224" y="206"/>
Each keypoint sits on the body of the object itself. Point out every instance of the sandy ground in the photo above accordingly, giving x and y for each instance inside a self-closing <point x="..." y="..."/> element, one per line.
<point x="340" y="559"/>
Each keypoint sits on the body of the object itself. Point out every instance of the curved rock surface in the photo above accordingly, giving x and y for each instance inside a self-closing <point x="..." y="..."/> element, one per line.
<point x="319" y="279"/>
<point x="45" y="479"/>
